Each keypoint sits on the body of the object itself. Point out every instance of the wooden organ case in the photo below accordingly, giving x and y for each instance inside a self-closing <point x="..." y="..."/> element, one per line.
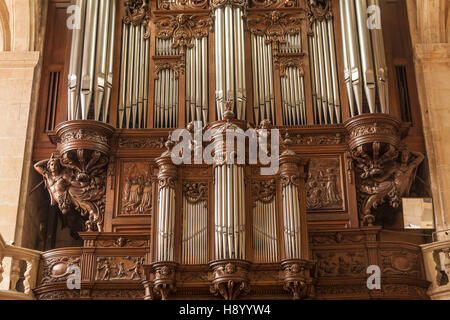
<point x="341" y="95"/>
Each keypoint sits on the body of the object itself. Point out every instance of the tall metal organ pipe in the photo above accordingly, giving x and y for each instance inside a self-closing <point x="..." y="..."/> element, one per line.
<point x="134" y="77"/>
<point x="265" y="242"/>
<point x="197" y="82"/>
<point x="263" y="88"/>
<point x="230" y="60"/>
<point x="91" y="61"/>
<point x="194" y="246"/>
<point x="364" y="59"/>
<point x="324" y="76"/>
<point x="166" y="207"/>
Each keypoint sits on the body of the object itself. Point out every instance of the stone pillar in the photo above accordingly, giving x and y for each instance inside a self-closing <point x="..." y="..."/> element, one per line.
<point x="430" y="33"/>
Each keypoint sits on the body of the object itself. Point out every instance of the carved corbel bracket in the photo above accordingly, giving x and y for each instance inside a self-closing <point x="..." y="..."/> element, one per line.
<point x="230" y="279"/>
<point x="137" y="12"/>
<point x="164" y="282"/>
<point x="76" y="175"/>
<point x="298" y="278"/>
<point x="385" y="169"/>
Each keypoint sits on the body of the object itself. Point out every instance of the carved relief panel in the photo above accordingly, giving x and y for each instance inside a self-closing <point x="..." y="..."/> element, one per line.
<point x="119" y="269"/>
<point x="324" y="187"/>
<point x="136" y="189"/>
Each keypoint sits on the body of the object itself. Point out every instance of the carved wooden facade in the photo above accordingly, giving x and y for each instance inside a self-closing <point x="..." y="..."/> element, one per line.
<point x="348" y="173"/>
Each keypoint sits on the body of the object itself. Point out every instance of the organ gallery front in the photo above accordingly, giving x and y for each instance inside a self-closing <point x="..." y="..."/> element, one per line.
<point x="319" y="98"/>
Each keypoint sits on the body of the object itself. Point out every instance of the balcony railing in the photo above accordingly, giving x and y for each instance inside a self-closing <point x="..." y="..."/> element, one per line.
<point x="31" y="260"/>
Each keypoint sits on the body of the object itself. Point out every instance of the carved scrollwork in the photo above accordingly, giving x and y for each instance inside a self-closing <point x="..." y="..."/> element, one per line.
<point x="217" y="4"/>
<point x="285" y="62"/>
<point x="183" y="29"/>
<point x="137" y="12"/>
<point x="182" y="4"/>
<point x="230" y="279"/>
<point x="195" y="191"/>
<point x="58" y="269"/>
<point x="263" y="190"/>
<point x="272" y="3"/>
<point x="178" y="67"/>
<point x="274" y="27"/>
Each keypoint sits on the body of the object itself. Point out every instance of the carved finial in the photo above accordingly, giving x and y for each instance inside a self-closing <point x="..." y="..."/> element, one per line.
<point x="265" y="124"/>
<point x="169" y="144"/>
<point x="287" y="141"/>
<point x="190" y="127"/>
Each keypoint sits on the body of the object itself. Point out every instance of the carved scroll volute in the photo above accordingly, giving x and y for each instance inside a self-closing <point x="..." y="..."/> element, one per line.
<point x="76" y="175"/>
<point x="168" y="171"/>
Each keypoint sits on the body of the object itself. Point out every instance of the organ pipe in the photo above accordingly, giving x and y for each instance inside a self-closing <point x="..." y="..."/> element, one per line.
<point x="91" y="61"/>
<point x="324" y="77"/>
<point x="134" y="77"/>
<point x="197" y="82"/>
<point x="293" y="97"/>
<point x="264" y="232"/>
<point x="364" y="59"/>
<point x="166" y="207"/>
<point x="230" y="61"/>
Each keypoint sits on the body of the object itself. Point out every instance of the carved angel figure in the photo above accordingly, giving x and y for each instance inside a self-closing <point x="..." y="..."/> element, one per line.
<point x="392" y="186"/>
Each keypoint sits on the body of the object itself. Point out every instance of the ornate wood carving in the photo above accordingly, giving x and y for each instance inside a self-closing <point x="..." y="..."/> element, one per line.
<point x="137" y="190"/>
<point x="275" y="26"/>
<point x="400" y="262"/>
<point x="183" y="29"/>
<point x="296" y="277"/>
<point x="57" y="269"/>
<point x="195" y="191"/>
<point x="119" y="268"/>
<point x="385" y="169"/>
<point x="318" y="10"/>
<point x="216" y="4"/>
<point x="272" y="3"/>
<point x="153" y="142"/>
<point x="77" y="178"/>
<point x="164" y="278"/>
<point x="182" y="4"/>
<point x="167" y="175"/>
<point x="324" y="186"/>
<point x="263" y="190"/>
<point x="137" y="12"/>
<point x="332" y="264"/>
<point x="121" y="242"/>
<point x="306" y="139"/>
<point x="175" y="64"/>
<point x="289" y="165"/>
<point x="230" y="279"/>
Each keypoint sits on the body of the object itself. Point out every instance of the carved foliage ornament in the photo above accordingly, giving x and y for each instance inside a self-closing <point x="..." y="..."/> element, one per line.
<point x="195" y="191"/>
<point x="183" y="29"/>
<point x="182" y="4"/>
<point x="272" y="3"/>
<point x="275" y="27"/>
<point x="218" y="4"/>
<point x="263" y="191"/>
<point x="137" y="12"/>
<point x="177" y="66"/>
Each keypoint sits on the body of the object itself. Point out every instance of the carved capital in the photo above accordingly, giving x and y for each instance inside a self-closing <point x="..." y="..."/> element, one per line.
<point x="218" y="4"/>
<point x="168" y="172"/>
<point x="230" y="279"/>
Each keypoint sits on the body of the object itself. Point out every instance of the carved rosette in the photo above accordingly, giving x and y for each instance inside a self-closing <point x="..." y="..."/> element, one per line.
<point x="75" y="176"/>
<point x="164" y="282"/>
<point x="230" y="279"/>
<point x="298" y="278"/>
<point x="385" y="169"/>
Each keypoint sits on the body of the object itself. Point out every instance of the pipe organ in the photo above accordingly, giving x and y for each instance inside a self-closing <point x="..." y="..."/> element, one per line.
<point x="364" y="59"/>
<point x="91" y="62"/>
<point x="213" y="224"/>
